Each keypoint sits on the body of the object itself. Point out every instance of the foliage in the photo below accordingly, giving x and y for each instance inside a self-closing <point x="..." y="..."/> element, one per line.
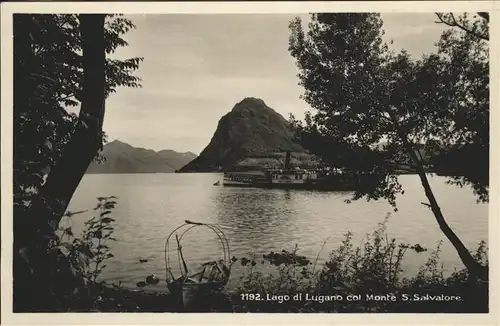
<point x="48" y="76"/>
<point x="339" y="59"/>
<point x="293" y="277"/>
<point x="78" y="261"/>
<point x="465" y="58"/>
<point x="478" y="27"/>
<point x="373" y="108"/>
<point x="374" y="268"/>
<point x="51" y="53"/>
<point x="430" y="280"/>
<point x="97" y="234"/>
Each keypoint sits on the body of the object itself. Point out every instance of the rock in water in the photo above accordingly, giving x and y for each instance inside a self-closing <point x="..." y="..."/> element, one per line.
<point x="152" y="279"/>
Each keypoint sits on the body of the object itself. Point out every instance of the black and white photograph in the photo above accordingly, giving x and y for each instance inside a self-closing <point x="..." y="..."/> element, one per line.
<point x="297" y="162"/>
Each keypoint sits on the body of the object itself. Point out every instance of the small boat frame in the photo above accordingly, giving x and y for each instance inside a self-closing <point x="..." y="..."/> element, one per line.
<point x="190" y="286"/>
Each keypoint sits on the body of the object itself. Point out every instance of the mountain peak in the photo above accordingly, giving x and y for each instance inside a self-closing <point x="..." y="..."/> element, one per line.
<point x="250" y="103"/>
<point x="124" y="158"/>
<point x="250" y="128"/>
<point x="116" y="142"/>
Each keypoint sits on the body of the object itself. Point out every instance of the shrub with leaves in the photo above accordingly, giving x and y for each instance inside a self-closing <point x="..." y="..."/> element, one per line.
<point x="293" y="275"/>
<point x="376" y="263"/>
<point x="430" y="280"/>
<point x="80" y="260"/>
<point x="96" y="236"/>
<point x="374" y="268"/>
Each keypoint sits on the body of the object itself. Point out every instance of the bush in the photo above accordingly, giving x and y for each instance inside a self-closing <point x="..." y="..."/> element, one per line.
<point x="473" y="293"/>
<point x="366" y="278"/>
<point x="77" y="262"/>
<point x="293" y="277"/>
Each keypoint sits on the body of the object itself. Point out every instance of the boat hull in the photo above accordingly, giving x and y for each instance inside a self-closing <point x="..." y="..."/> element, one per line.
<point x="232" y="183"/>
<point x="320" y="186"/>
<point x="290" y="179"/>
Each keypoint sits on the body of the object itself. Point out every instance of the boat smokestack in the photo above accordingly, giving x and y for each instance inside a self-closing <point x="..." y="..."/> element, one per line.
<point x="287" y="160"/>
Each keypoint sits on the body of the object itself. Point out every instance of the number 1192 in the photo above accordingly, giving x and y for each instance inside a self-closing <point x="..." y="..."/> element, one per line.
<point x="250" y="296"/>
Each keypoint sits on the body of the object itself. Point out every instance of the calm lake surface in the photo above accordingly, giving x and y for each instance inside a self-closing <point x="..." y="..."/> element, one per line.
<point x="258" y="221"/>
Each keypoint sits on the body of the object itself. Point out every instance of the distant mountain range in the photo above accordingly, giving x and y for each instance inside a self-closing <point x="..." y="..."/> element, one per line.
<point x="250" y="129"/>
<point x="121" y="157"/>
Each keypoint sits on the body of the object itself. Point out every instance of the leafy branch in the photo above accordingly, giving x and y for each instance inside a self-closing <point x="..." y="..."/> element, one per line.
<point x="462" y="23"/>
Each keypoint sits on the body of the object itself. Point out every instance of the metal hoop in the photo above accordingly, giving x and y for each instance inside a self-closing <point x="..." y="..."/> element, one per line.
<point x="188" y="226"/>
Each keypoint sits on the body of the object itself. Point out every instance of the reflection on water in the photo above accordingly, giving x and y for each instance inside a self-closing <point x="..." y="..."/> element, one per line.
<point x="257" y="221"/>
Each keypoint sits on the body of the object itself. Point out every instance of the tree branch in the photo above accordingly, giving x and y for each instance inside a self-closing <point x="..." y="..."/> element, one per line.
<point x="66" y="97"/>
<point x="400" y="167"/>
<point x="455" y="23"/>
<point x="426" y="204"/>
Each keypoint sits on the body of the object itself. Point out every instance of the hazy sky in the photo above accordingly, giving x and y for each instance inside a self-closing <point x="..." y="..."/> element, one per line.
<point x="196" y="67"/>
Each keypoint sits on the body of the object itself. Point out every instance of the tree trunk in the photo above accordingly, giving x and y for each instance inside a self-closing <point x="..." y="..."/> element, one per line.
<point x="54" y="196"/>
<point x="87" y="139"/>
<point x="474" y="268"/>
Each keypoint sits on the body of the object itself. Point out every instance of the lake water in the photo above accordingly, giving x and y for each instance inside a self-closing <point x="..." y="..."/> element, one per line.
<point x="258" y="221"/>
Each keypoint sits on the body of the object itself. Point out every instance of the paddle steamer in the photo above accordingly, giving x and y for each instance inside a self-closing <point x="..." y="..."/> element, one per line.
<point x="286" y="178"/>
